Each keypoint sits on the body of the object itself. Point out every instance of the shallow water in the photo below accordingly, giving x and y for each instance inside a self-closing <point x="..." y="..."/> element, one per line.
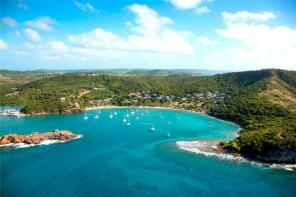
<point x="112" y="159"/>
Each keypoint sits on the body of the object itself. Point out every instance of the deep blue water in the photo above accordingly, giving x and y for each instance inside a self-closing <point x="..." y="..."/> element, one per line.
<point x="114" y="160"/>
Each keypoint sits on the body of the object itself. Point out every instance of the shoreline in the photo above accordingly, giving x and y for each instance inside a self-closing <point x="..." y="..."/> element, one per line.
<point x="210" y="148"/>
<point x="166" y="108"/>
<point x="115" y="106"/>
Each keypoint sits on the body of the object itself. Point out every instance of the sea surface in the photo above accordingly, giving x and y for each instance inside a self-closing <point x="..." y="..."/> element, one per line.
<point x="113" y="159"/>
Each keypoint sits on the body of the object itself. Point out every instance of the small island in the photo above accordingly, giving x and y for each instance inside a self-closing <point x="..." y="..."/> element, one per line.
<point x="37" y="138"/>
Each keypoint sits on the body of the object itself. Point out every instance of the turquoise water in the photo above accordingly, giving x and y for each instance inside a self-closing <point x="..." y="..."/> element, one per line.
<point x="112" y="159"/>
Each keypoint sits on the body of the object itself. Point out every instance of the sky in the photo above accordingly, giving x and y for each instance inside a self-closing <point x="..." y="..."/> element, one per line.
<point x="148" y="34"/>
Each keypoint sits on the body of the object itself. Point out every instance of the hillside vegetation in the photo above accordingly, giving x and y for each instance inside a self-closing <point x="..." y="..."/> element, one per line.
<point x="263" y="102"/>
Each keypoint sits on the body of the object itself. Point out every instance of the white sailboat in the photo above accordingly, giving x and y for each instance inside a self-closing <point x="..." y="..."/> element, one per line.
<point x="111" y="116"/>
<point x="85" y="117"/>
<point x="124" y="119"/>
<point x="128" y="123"/>
<point x="152" y="128"/>
<point x="96" y="116"/>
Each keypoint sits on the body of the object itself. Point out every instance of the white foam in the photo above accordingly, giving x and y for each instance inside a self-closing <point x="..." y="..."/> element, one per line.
<point x="203" y="148"/>
<point x="206" y="149"/>
<point x="288" y="167"/>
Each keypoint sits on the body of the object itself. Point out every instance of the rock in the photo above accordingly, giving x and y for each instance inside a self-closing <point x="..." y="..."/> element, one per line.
<point x="4" y="140"/>
<point x="37" y="138"/>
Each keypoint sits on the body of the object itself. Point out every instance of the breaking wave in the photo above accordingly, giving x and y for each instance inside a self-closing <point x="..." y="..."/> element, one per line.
<point x="209" y="148"/>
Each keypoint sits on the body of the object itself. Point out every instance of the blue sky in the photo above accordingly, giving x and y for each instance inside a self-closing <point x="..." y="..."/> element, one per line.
<point x="200" y="34"/>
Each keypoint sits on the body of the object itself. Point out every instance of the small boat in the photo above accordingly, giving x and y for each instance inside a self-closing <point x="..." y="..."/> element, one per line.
<point x="111" y="116"/>
<point x="85" y="117"/>
<point x="128" y="122"/>
<point x="168" y="135"/>
<point x="177" y="118"/>
<point x="127" y="115"/>
<point x="169" y="123"/>
<point x="152" y="128"/>
<point x="124" y="118"/>
<point x="115" y="113"/>
<point x="132" y="113"/>
<point x="96" y="116"/>
<point x="137" y="118"/>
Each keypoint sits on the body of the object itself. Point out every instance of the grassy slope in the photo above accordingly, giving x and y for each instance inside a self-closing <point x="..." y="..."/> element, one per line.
<point x="267" y="113"/>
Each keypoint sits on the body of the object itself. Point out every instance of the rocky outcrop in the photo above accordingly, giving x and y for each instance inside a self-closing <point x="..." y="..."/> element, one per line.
<point x="37" y="138"/>
<point x="279" y="157"/>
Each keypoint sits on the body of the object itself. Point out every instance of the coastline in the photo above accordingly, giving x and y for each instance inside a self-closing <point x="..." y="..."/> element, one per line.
<point x="115" y="106"/>
<point x="236" y="133"/>
<point x="210" y="148"/>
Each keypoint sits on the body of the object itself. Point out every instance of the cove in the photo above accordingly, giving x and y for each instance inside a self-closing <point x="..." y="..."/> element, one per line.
<point x="113" y="159"/>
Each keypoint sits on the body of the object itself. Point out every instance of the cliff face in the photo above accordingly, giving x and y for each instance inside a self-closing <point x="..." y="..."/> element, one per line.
<point x="285" y="157"/>
<point x="37" y="138"/>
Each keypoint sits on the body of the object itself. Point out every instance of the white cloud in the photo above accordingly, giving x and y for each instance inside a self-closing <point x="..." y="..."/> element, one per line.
<point x="197" y="5"/>
<point x="3" y="44"/>
<point x="202" y="10"/>
<point x="153" y="32"/>
<point x="149" y="33"/>
<point x="99" y="39"/>
<point x="148" y="21"/>
<point x="43" y="23"/>
<point x="87" y="7"/>
<point x="258" y="44"/>
<point x="206" y="42"/>
<point x="32" y="34"/>
<point x="186" y="4"/>
<point x="151" y="39"/>
<point x="245" y="16"/>
<point x="9" y="21"/>
<point x="58" y="46"/>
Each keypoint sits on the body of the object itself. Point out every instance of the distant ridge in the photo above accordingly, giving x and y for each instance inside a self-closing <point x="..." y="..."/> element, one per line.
<point x="157" y="72"/>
